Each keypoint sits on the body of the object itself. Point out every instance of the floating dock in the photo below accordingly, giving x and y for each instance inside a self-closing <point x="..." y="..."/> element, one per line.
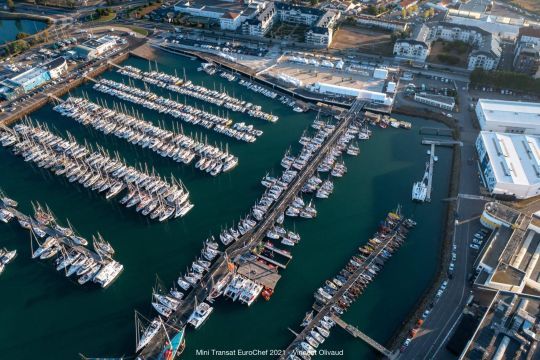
<point x="252" y="238"/>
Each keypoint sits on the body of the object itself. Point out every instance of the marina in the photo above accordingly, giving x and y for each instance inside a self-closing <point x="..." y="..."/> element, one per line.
<point x="175" y="145"/>
<point x="186" y="113"/>
<point x="187" y="88"/>
<point x="156" y="198"/>
<point x="334" y="139"/>
<point x="218" y="317"/>
<point x="64" y="245"/>
<point x="338" y="294"/>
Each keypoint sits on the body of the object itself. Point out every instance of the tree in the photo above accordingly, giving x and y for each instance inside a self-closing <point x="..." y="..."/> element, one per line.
<point x="21" y="35"/>
<point x="18" y="46"/>
<point x="10" y="4"/>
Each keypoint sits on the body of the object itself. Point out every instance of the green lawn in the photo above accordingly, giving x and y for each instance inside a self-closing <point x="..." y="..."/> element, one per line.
<point x="105" y="18"/>
<point x="138" y="30"/>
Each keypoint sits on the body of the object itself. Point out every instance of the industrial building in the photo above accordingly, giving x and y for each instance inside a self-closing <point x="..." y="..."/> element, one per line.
<point x="32" y="79"/>
<point x="93" y="48"/>
<point x="440" y="101"/>
<point x="373" y="96"/>
<point x="508" y="329"/>
<point x="509" y="164"/>
<point x="509" y="116"/>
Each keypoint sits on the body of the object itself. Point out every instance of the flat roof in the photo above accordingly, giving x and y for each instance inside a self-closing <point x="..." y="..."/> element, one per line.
<point x="507" y="314"/>
<point x="514" y="158"/>
<point x="27" y="75"/>
<point x="510" y="111"/>
<point x="217" y="6"/>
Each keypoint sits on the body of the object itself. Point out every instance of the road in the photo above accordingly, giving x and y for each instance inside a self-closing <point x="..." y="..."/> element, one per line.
<point x="446" y="313"/>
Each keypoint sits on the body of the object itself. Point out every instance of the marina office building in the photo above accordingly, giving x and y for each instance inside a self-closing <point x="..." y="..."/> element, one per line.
<point x="509" y="116"/>
<point x="32" y="79"/>
<point x="93" y="48"/>
<point x="509" y="163"/>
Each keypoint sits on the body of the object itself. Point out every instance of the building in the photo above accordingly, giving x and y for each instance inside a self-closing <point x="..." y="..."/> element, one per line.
<point x="372" y="96"/>
<point x="509" y="164"/>
<point x="508" y="329"/>
<point x="230" y="15"/>
<point x="506" y="30"/>
<point x="56" y="67"/>
<point x="31" y="79"/>
<point x="373" y="21"/>
<point x="414" y="48"/>
<point x="509" y="116"/>
<point x="486" y="46"/>
<point x="321" y="22"/>
<point x="476" y="6"/>
<point x="486" y="51"/>
<point x="260" y="24"/>
<point x="94" y="48"/>
<point x="405" y="4"/>
<point x="527" y="59"/>
<point x="440" y="101"/>
<point x="527" y="51"/>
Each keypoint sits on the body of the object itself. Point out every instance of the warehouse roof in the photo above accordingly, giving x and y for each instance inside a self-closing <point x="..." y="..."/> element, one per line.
<point x="510" y="111"/>
<point x="514" y="158"/>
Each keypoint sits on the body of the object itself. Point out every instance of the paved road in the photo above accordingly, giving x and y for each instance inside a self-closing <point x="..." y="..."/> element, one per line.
<point x="446" y="313"/>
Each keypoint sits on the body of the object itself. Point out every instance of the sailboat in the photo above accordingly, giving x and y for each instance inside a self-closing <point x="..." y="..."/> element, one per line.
<point x="144" y="334"/>
<point x="175" y="346"/>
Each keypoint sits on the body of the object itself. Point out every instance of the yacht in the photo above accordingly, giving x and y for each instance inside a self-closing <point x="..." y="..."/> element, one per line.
<point x="419" y="190"/>
<point x="148" y="334"/>
<point x="199" y="316"/>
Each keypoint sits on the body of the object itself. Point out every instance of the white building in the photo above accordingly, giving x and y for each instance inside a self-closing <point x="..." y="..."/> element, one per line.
<point x="56" y="67"/>
<point x="510" y="163"/>
<point x="487" y="49"/>
<point x="374" y="96"/>
<point x="440" y="101"/>
<point x="321" y="22"/>
<point x="261" y="23"/>
<point x="95" y="47"/>
<point x="509" y="116"/>
<point x="414" y="48"/>
<point x="374" y="21"/>
<point x="229" y="14"/>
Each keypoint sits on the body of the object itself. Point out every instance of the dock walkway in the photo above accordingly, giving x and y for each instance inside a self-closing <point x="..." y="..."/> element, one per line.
<point x="430" y="172"/>
<point x="326" y="309"/>
<point x="55" y="233"/>
<point x="359" y="334"/>
<point x="252" y="238"/>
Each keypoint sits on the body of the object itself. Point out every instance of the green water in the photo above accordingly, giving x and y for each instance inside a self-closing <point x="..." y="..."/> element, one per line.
<point x="44" y="313"/>
<point x="10" y="28"/>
